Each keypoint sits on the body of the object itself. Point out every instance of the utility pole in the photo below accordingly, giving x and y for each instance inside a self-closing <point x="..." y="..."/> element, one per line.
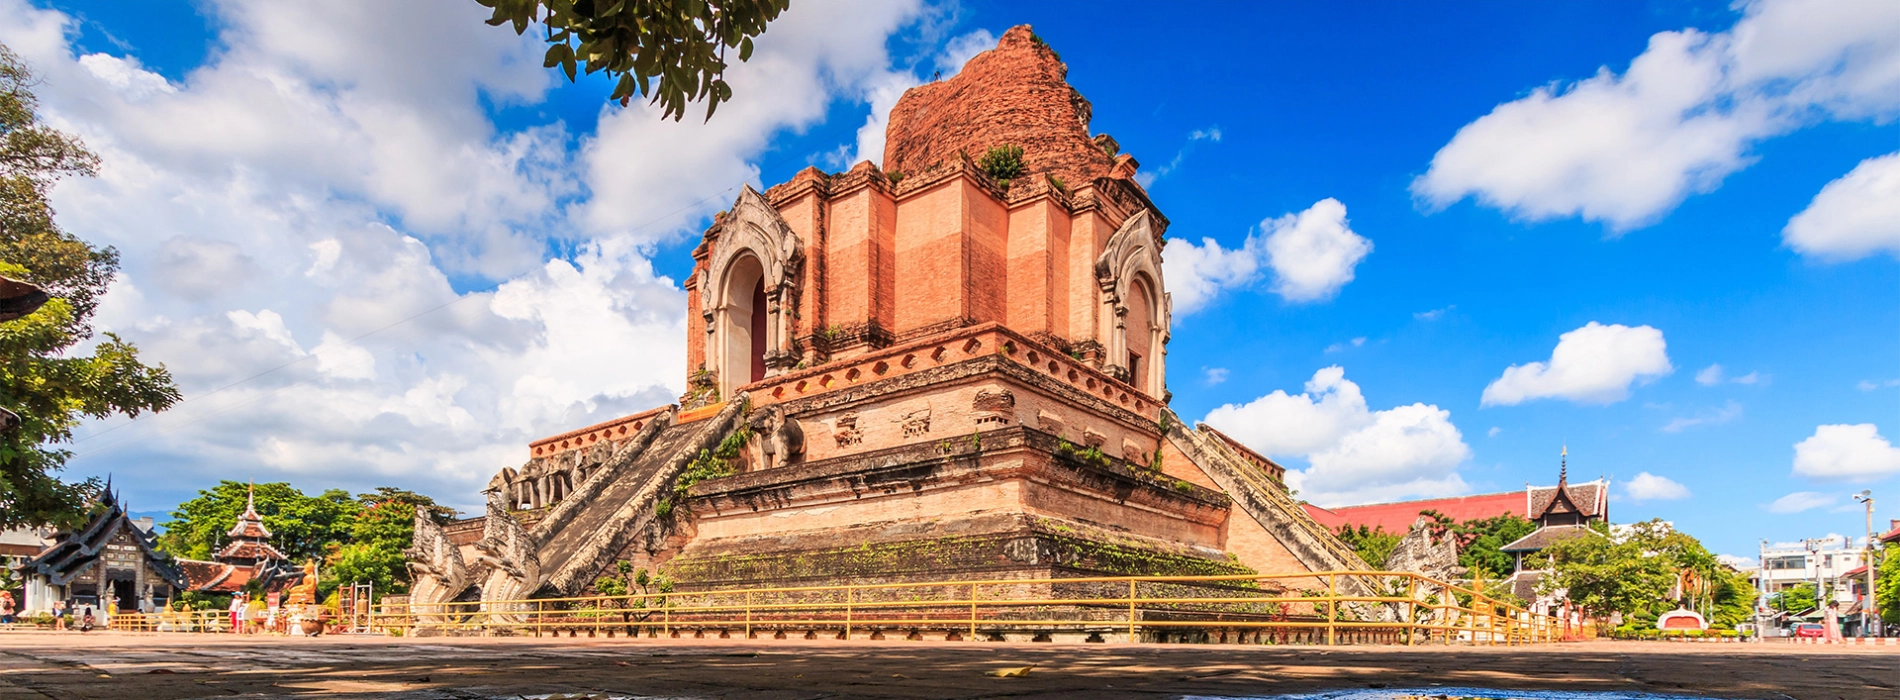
<point x="1761" y="604"/>
<point x="1869" y="610"/>
<point x="1814" y="560"/>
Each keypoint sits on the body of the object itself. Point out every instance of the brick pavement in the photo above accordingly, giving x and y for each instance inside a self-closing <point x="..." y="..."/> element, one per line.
<point x="119" y="666"/>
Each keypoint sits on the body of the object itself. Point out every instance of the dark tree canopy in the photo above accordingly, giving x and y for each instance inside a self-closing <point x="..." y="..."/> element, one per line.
<point x="358" y="538"/>
<point x="672" y="51"/>
<point x="51" y="387"/>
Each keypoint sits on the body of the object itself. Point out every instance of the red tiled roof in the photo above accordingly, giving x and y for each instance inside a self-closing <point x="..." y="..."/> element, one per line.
<point x="1398" y="517"/>
<point x="245" y="549"/>
<point x="1892" y="536"/>
<point x="1587" y="496"/>
<point x="213" y="577"/>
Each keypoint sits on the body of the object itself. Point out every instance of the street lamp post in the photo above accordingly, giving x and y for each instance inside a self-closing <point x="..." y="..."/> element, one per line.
<point x="1869" y="610"/>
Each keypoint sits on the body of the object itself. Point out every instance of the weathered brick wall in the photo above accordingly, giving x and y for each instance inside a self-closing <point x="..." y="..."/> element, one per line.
<point x="1016" y="94"/>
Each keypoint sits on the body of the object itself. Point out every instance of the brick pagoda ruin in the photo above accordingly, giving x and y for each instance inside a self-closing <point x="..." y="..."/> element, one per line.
<point x="911" y="373"/>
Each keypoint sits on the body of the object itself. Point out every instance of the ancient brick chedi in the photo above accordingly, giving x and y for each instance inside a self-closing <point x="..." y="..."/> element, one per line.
<point x="914" y="372"/>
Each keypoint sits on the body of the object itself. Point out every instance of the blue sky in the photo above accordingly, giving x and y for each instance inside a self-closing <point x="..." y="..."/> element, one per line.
<point x="284" y="180"/>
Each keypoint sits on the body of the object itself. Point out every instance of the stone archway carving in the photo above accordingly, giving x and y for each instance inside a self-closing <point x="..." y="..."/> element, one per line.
<point x="753" y="230"/>
<point x="1129" y="270"/>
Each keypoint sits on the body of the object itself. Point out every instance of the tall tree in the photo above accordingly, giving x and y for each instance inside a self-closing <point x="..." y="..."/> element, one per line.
<point x="1372" y="544"/>
<point x="302" y="527"/>
<point x="672" y="51"/>
<point x="1639" y="569"/>
<point x="1887" y="583"/>
<point x="381" y="530"/>
<point x="43" y="377"/>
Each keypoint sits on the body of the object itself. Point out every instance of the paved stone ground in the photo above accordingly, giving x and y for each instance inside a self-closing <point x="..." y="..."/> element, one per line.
<point x="130" y="667"/>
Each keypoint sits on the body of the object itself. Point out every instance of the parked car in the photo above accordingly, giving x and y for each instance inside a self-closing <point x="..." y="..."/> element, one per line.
<point x="1809" y="630"/>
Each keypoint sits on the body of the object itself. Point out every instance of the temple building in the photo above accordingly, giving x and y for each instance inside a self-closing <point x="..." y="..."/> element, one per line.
<point x="246" y="556"/>
<point x="115" y="558"/>
<point x="1530" y="504"/>
<point x="952" y="366"/>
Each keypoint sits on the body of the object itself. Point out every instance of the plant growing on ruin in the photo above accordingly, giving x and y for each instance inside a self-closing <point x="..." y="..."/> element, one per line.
<point x="895" y="176"/>
<point x="1061" y="186"/>
<point x="710" y="464"/>
<point x="1002" y="163"/>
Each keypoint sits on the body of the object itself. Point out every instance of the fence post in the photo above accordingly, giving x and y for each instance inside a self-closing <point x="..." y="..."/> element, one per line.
<point x="748" y="614"/>
<point x="666" y="614"/>
<point x="1131" y="613"/>
<point x="972" y="612"/>
<point x="1411" y="610"/>
<point x="1332" y="609"/>
<point x="848" y="590"/>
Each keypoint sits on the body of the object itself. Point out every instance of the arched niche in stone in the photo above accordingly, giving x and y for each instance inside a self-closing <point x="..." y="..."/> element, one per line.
<point x="1135" y="308"/>
<point x="750" y="292"/>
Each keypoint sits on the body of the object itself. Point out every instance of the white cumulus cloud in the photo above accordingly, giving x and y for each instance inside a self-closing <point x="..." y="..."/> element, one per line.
<point x="1649" y="487"/>
<point x="1854" y="216"/>
<point x="1312" y="254"/>
<point x="1355" y="454"/>
<point x="1626" y="149"/>
<point x="1593" y="364"/>
<point x="1855" y="453"/>
<point x="292" y="212"/>
<point x="1800" y="501"/>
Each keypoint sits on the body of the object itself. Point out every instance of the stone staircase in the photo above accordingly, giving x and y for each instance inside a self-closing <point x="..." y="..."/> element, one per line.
<point x="589" y="529"/>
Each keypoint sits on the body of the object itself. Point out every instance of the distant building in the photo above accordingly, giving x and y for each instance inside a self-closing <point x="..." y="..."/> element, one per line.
<point x="112" y="558"/>
<point x="1562" y="513"/>
<point x="115" y="558"/>
<point x="1529" y="503"/>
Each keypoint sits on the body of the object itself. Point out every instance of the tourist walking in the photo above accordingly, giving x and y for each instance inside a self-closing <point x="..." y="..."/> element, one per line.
<point x="6" y="607"/>
<point x="237" y="613"/>
<point x="59" y="616"/>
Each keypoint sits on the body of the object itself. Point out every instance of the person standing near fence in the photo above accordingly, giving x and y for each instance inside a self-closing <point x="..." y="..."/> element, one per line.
<point x="6" y="607"/>
<point x="237" y="612"/>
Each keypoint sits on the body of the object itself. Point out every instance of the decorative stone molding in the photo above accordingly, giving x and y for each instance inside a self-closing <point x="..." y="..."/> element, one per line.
<point x="1132" y="253"/>
<point x="994" y="407"/>
<point x="754" y="229"/>
<point x="846" y="431"/>
<point x="915" y="423"/>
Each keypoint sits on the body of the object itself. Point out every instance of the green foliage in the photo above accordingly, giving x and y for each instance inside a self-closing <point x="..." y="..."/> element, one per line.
<point x="1635" y="574"/>
<point x="42" y="379"/>
<point x="359" y="538"/>
<point x="1796" y="599"/>
<point x="682" y="43"/>
<point x="1374" y="545"/>
<point x="710" y="464"/>
<point x="1061" y="186"/>
<point x="896" y="176"/>
<point x="1002" y="163"/>
<point x="302" y="527"/>
<point x="1479" y="540"/>
<point x="1887" y="583"/>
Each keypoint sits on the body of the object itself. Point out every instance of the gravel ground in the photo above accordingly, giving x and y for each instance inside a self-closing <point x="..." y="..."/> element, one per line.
<point x="117" y="666"/>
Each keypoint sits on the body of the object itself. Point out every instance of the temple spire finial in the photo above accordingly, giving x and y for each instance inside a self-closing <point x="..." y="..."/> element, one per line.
<point x="1563" y="466"/>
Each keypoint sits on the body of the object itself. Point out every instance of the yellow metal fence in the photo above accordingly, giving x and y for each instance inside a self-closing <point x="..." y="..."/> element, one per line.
<point x="1335" y="607"/>
<point x="1320" y="608"/>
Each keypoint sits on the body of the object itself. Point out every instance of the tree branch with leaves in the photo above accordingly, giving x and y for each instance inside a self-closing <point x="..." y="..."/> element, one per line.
<point x="671" y="51"/>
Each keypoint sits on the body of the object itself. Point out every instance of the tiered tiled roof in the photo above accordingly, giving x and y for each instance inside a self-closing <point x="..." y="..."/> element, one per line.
<point x="73" y="553"/>
<point x="1546" y="536"/>
<point x="249" y="525"/>
<point x="1590" y="498"/>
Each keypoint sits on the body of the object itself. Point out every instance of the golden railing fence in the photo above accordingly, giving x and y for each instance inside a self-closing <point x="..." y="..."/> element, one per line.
<point x="1331" y="607"/>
